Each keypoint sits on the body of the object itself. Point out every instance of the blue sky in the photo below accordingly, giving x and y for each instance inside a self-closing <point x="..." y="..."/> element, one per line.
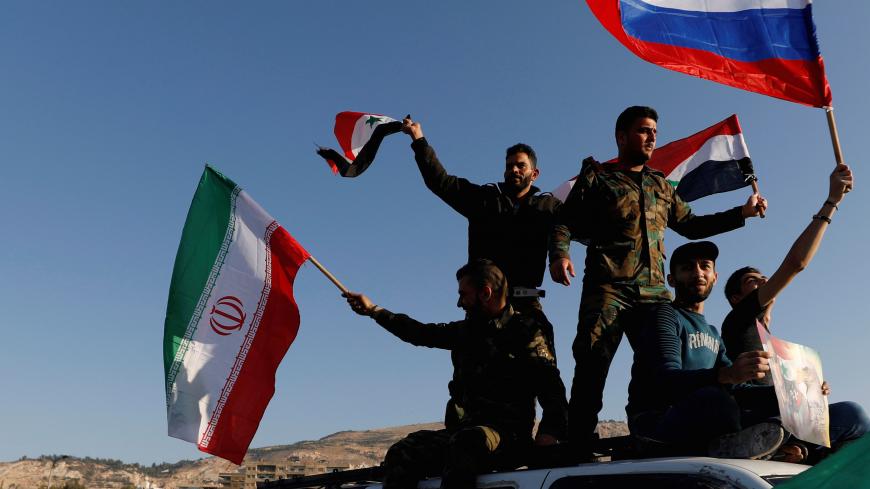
<point x="110" y="110"/>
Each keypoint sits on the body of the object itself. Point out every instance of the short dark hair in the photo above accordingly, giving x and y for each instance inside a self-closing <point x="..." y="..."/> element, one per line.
<point x="631" y="114"/>
<point x="484" y="272"/>
<point x="522" y="148"/>
<point x="732" y="286"/>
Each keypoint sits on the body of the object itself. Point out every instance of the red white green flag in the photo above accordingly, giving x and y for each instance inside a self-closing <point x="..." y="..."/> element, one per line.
<point x="359" y="134"/>
<point x="708" y="162"/>
<point x="230" y="319"/>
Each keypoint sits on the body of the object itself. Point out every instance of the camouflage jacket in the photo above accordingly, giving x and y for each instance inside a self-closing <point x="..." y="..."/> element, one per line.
<point x="623" y="224"/>
<point x="512" y="234"/>
<point x="499" y="367"/>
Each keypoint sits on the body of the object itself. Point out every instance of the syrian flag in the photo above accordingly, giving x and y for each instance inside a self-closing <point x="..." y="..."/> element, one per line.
<point x="359" y="135"/>
<point x="709" y="162"/>
<point x="230" y="319"/>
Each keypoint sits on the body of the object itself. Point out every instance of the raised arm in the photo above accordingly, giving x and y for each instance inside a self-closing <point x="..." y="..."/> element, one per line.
<point x="683" y="221"/>
<point x="804" y="248"/>
<point x="407" y="329"/>
<point x="460" y="194"/>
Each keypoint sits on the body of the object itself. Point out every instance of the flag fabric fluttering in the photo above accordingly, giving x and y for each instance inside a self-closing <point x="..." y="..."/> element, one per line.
<point x="230" y="318"/>
<point x="849" y="468"/>
<point x="359" y="134"/>
<point x="764" y="46"/>
<point x="711" y="161"/>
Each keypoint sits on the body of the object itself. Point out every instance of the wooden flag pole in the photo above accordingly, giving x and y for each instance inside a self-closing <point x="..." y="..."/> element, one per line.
<point x="756" y="191"/>
<point x="329" y="275"/>
<point x="835" y="138"/>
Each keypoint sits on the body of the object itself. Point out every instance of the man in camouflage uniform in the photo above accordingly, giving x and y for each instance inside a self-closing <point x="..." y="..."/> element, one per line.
<point x="502" y="361"/>
<point x="620" y="212"/>
<point x="508" y="222"/>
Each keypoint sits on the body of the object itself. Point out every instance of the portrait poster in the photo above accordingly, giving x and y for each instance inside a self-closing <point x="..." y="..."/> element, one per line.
<point x="797" y="377"/>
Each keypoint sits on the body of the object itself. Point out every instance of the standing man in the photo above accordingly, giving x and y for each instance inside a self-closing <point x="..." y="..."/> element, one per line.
<point x="620" y="212"/>
<point x="686" y="393"/>
<point x="502" y="362"/>
<point x="751" y="294"/>
<point x="508" y="222"/>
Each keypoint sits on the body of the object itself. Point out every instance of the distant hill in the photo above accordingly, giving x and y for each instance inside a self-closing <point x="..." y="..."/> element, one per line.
<point x="352" y="449"/>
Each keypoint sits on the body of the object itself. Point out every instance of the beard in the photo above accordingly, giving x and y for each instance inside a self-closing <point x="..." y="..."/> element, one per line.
<point x="692" y="294"/>
<point x="517" y="184"/>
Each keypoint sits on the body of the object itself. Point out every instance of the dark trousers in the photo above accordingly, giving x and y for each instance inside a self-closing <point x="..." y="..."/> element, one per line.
<point x="606" y="312"/>
<point x="457" y="455"/>
<point x="531" y="306"/>
<point x="714" y="411"/>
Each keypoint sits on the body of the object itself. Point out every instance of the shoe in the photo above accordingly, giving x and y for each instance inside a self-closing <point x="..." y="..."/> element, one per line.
<point x="755" y="442"/>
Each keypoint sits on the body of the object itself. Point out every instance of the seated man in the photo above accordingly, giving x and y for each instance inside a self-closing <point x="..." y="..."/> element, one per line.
<point x="686" y="393"/>
<point x="502" y="361"/>
<point x="751" y="294"/>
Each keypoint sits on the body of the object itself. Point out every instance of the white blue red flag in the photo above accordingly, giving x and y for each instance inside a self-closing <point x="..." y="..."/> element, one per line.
<point x="708" y="162"/>
<point x="764" y="46"/>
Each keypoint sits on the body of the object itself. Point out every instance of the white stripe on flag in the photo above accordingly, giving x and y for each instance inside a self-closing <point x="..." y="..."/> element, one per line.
<point x="717" y="148"/>
<point x="727" y="5"/>
<point x="362" y="132"/>
<point x="210" y="359"/>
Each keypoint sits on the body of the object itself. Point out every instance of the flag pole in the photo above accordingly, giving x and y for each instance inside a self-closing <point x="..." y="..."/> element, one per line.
<point x="757" y="192"/>
<point x="835" y="138"/>
<point x="329" y="275"/>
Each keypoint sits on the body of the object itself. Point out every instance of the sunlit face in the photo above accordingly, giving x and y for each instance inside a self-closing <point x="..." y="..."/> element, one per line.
<point x="519" y="172"/>
<point x="693" y="279"/>
<point x="638" y="143"/>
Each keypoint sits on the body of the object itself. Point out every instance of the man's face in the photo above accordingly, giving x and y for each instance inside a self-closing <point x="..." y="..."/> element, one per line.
<point x="638" y="143"/>
<point x="749" y="282"/>
<point x="470" y="297"/>
<point x="519" y="173"/>
<point x="693" y="279"/>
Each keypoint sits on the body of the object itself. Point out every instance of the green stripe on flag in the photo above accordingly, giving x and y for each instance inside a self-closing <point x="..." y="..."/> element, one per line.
<point x="206" y="235"/>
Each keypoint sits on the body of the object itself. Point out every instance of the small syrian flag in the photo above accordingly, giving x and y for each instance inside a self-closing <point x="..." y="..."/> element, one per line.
<point x="709" y="162"/>
<point x="359" y="134"/>
<point x="230" y="319"/>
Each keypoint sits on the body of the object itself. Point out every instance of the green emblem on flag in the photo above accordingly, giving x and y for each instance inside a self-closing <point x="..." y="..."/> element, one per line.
<point x="372" y="120"/>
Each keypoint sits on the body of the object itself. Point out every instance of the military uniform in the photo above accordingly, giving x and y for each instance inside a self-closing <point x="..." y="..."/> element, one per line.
<point x="500" y="367"/>
<point x="511" y="233"/>
<point x="621" y="218"/>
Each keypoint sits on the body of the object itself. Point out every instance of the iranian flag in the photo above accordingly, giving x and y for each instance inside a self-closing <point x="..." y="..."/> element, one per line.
<point x="708" y="162"/>
<point x="230" y="319"/>
<point x="359" y="134"/>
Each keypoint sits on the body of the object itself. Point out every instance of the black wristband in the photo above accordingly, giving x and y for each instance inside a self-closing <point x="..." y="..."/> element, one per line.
<point x="823" y="218"/>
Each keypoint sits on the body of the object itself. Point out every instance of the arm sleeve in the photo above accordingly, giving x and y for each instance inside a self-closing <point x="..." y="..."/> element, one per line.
<point x="550" y="389"/>
<point x="572" y="217"/>
<point x="460" y="194"/>
<point x="663" y="347"/>
<point x="683" y="221"/>
<point x="409" y="330"/>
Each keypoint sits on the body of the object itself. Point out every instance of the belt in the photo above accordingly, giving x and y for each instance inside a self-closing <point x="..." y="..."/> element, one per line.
<point x="525" y="292"/>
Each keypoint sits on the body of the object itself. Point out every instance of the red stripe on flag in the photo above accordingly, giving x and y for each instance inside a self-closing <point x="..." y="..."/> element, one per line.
<point x="798" y="81"/>
<point x="344" y="124"/>
<point x="666" y="158"/>
<point x="255" y="384"/>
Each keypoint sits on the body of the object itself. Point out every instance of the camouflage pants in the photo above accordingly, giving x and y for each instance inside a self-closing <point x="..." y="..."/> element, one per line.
<point x="456" y="455"/>
<point x="606" y="312"/>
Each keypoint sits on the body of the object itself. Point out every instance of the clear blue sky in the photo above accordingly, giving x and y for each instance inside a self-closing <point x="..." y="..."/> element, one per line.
<point x="108" y="111"/>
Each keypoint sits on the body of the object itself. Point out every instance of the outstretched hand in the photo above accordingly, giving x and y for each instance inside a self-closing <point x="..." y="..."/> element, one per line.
<point x="411" y="128"/>
<point x="755" y="205"/>
<point x="561" y="271"/>
<point x="841" y="183"/>
<point x="360" y="304"/>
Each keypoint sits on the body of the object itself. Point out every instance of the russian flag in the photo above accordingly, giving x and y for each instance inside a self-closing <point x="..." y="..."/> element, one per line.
<point x="708" y="162"/>
<point x="764" y="46"/>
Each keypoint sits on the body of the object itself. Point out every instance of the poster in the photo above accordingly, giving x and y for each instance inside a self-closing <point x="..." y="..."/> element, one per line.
<point x="797" y="377"/>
